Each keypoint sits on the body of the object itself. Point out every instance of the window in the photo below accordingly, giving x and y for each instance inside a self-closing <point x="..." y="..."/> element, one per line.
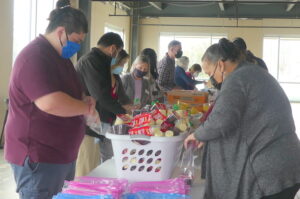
<point x="193" y="46"/>
<point x="30" y="19"/>
<point x="119" y="31"/>
<point x="281" y="55"/>
<point x="282" y="58"/>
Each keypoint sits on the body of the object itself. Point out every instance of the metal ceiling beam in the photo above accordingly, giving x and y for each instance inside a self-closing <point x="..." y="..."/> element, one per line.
<point x="221" y="6"/>
<point x="290" y="6"/>
<point x="156" y="5"/>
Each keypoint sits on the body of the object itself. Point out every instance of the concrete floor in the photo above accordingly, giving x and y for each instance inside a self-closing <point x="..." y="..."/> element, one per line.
<point x="7" y="183"/>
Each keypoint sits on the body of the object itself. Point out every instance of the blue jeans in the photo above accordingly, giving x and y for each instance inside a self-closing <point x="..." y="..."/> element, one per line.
<point x="41" y="180"/>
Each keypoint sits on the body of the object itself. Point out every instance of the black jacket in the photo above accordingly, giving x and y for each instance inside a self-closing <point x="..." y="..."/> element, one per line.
<point x="94" y="71"/>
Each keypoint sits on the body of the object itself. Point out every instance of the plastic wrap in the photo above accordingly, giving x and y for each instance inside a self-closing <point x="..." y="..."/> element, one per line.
<point x="171" y="186"/>
<point x="150" y="195"/>
<point x="72" y="196"/>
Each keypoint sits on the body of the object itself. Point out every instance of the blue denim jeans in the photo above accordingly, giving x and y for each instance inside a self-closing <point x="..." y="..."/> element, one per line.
<point x="41" y="180"/>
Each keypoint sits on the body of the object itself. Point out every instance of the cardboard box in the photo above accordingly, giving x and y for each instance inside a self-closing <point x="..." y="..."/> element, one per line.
<point x="196" y="98"/>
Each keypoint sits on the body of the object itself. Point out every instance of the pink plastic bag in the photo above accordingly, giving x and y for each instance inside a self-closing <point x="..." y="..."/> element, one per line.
<point x="109" y="181"/>
<point x="82" y="188"/>
<point x="176" y="186"/>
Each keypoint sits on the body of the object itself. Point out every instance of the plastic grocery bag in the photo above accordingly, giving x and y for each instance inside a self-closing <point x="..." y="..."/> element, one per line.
<point x="93" y="121"/>
<point x="72" y="196"/>
<point x="187" y="163"/>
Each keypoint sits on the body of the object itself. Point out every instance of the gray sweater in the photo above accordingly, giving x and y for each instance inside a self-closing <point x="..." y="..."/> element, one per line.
<point x="252" y="149"/>
<point x="129" y="87"/>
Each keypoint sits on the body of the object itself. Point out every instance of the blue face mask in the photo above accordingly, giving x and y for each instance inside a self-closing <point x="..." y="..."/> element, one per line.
<point x="113" y="61"/>
<point x="69" y="49"/>
<point x="118" y="70"/>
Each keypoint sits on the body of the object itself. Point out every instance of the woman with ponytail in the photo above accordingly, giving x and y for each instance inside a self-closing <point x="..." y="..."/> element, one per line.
<point x="251" y="150"/>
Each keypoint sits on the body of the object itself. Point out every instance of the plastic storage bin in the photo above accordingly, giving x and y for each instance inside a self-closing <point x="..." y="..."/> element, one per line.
<point x="146" y="158"/>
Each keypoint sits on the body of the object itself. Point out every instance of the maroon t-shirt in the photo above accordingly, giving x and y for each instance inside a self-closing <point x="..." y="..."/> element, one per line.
<point x="39" y="70"/>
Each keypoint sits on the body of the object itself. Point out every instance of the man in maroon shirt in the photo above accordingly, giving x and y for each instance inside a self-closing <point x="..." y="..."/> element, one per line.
<point x="45" y="124"/>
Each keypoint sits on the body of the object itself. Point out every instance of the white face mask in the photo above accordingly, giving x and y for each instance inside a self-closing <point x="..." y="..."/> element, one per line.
<point x="195" y="75"/>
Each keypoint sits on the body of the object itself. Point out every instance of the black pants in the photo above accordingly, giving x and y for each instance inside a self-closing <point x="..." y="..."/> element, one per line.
<point x="288" y="193"/>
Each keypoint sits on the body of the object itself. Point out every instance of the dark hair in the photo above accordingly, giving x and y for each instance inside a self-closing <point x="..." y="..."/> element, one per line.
<point x="173" y="43"/>
<point x="196" y="67"/>
<point x="240" y="43"/>
<point x="151" y="54"/>
<point x="224" y="50"/>
<point x="64" y="15"/>
<point x="121" y="55"/>
<point x="140" y="59"/>
<point x="109" y="39"/>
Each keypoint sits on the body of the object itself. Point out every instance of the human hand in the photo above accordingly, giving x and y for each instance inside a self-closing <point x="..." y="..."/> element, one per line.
<point x="192" y="138"/>
<point x="93" y="118"/>
<point x="91" y="102"/>
<point x="129" y="108"/>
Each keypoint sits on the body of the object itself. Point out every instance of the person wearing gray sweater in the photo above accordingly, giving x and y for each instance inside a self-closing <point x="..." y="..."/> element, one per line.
<point x="251" y="150"/>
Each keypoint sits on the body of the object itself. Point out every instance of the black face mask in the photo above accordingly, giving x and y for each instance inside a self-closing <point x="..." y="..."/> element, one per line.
<point x="214" y="81"/>
<point x="179" y="54"/>
<point x="139" y="74"/>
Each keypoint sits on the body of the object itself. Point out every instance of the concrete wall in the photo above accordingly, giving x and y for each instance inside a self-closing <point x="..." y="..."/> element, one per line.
<point x="149" y="35"/>
<point x="6" y="41"/>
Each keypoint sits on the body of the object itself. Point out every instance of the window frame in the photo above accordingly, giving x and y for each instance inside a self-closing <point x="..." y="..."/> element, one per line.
<point x="277" y="77"/>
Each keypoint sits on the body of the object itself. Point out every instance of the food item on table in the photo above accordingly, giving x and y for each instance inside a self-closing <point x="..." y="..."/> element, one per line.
<point x="183" y="106"/>
<point x="152" y="122"/>
<point x="181" y="125"/>
<point x="182" y="113"/>
<point x="187" y="120"/>
<point x="169" y="123"/>
<point x="194" y="111"/>
<point x="157" y="115"/>
<point x="163" y="111"/>
<point x="123" y="119"/>
<point x="158" y="106"/>
<point x="145" y="130"/>
<point x="158" y="134"/>
<point x="169" y="133"/>
<point x="119" y="121"/>
<point x="155" y="129"/>
<point x="142" y="120"/>
<point x="169" y="111"/>
<point x="146" y="109"/>
<point x="159" y="122"/>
